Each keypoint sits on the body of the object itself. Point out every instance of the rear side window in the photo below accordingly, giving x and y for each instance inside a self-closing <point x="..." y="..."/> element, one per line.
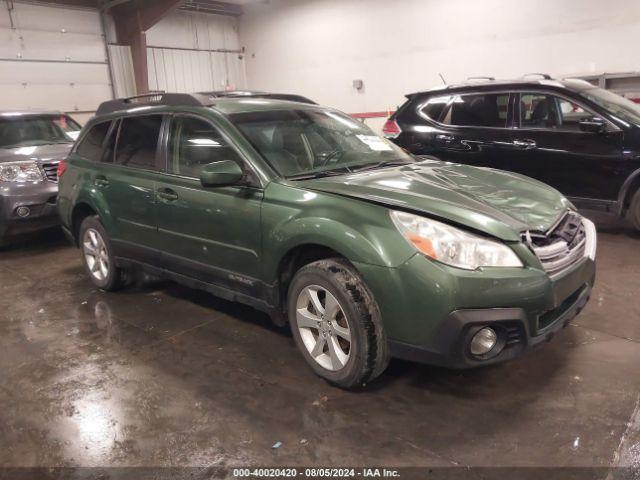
<point x="435" y="107"/>
<point x="138" y="142"/>
<point x="194" y="143"/>
<point x="92" y="144"/>
<point x="478" y="110"/>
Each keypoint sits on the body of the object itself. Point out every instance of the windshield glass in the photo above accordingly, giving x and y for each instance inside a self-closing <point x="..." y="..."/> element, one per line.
<point x="306" y="142"/>
<point x="621" y="107"/>
<point x="33" y="130"/>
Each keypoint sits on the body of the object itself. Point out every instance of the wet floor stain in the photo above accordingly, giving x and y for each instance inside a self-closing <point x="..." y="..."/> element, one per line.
<point x="161" y="375"/>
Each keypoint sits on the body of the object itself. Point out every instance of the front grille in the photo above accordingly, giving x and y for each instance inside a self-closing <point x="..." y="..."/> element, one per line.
<point x="51" y="171"/>
<point x="561" y="247"/>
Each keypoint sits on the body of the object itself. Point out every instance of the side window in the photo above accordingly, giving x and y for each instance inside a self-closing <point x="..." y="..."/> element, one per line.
<point x="434" y="107"/>
<point x="478" y="110"/>
<point x="539" y="110"/>
<point x="92" y="144"/>
<point x="571" y="114"/>
<point x="138" y="142"/>
<point x="194" y="143"/>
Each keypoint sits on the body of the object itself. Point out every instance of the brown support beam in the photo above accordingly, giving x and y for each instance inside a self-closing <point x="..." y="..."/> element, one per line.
<point x="132" y="19"/>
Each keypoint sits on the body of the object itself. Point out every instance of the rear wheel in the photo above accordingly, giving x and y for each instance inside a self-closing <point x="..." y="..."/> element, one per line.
<point x="633" y="214"/>
<point x="336" y="323"/>
<point x="97" y="256"/>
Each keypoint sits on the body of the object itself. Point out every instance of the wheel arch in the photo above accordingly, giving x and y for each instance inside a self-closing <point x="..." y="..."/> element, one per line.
<point x="296" y="258"/>
<point x="630" y="186"/>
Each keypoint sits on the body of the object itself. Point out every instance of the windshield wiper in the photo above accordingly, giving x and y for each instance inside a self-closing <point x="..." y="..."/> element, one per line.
<point x="324" y="173"/>
<point x="386" y="163"/>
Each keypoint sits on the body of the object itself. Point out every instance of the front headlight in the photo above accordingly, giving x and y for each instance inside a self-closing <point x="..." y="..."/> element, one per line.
<point x="451" y="245"/>
<point x="20" y="172"/>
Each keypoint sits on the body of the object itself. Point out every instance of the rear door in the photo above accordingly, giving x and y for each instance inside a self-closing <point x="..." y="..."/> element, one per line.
<point x="549" y="146"/>
<point x="126" y="179"/>
<point x="211" y="234"/>
<point x="470" y="128"/>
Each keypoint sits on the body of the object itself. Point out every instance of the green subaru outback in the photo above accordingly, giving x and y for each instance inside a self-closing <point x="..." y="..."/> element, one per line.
<point x="303" y="212"/>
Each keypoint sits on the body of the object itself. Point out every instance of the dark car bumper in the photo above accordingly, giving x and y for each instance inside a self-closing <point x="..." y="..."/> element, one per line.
<point x="26" y="208"/>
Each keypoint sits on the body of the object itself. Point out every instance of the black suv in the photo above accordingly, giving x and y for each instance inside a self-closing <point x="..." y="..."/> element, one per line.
<point x="580" y="139"/>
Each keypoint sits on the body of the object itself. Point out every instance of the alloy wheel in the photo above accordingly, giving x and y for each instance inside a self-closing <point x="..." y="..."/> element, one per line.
<point x="95" y="254"/>
<point x="323" y="327"/>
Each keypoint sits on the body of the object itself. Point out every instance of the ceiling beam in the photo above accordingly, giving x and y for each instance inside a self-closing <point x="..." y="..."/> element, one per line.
<point x="132" y="18"/>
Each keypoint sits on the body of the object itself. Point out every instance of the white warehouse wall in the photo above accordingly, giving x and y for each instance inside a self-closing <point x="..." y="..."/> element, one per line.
<point x="318" y="47"/>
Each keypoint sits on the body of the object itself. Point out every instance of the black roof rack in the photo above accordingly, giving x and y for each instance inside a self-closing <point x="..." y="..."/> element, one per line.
<point x="151" y="99"/>
<point x="488" y="79"/>
<point x="546" y="76"/>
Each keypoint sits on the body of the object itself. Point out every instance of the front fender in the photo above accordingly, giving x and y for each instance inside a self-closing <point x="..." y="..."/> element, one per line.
<point x="360" y="231"/>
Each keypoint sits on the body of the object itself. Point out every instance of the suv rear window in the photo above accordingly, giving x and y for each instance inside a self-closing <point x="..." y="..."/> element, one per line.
<point x="90" y="147"/>
<point x="477" y="110"/>
<point x="138" y="141"/>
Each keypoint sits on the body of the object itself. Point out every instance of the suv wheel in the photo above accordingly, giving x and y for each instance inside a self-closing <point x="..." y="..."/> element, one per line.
<point x="336" y="323"/>
<point x="97" y="256"/>
<point x="633" y="214"/>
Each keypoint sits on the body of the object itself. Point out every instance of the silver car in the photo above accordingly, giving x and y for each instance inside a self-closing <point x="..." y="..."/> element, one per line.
<point x="31" y="146"/>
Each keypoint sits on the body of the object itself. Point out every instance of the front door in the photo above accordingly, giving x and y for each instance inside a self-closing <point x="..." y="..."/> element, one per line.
<point x="210" y="234"/>
<point x="550" y="146"/>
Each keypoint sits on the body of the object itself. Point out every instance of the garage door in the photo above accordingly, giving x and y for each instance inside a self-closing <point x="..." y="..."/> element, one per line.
<point x="52" y="58"/>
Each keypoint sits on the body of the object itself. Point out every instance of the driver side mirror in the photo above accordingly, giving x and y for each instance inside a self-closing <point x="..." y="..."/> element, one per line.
<point x="221" y="174"/>
<point x="593" y="125"/>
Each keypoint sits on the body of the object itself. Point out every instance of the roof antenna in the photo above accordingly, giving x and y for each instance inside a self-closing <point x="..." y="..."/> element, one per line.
<point x="442" y="78"/>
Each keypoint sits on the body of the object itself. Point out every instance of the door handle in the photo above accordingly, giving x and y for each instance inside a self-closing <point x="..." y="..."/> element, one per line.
<point x="167" y="194"/>
<point x="101" y="181"/>
<point x="524" y="144"/>
<point x="443" y="137"/>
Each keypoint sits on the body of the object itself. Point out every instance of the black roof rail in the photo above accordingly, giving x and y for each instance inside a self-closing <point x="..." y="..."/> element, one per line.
<point x="489" y="79"/>
<point x="546" y="76"/>
<point x="149" y="100"/>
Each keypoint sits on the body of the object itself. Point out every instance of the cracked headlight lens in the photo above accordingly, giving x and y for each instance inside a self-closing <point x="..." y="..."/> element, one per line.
<point x="21" y="172"/>
<point x="451" y="245"/>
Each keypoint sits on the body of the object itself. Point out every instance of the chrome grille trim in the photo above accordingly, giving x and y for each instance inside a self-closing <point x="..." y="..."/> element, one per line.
<point x="570" y="239"/>
<point x="50" y="171"/>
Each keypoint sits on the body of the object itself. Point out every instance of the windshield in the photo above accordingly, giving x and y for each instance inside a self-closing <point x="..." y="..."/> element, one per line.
<point x="307" y="142"/>
<point x="621" y="107"/>
<point x="33" y="130"/>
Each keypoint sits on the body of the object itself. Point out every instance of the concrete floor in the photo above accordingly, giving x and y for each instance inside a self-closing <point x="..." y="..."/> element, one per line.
<point x="163" y="375"/>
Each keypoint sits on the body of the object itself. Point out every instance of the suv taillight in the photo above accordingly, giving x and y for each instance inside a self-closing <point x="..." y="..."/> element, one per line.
<point x="62" y="167"/>
<point x="391" y="129"/>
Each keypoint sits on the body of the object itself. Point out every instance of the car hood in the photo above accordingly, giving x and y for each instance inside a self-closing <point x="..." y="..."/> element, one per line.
<point x="41" y="153"/>
<point x="502" y="204"/>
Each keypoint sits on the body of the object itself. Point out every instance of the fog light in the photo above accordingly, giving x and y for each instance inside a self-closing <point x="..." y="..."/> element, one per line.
<point x="483" y="341"/>
<point x="23" y="211"/>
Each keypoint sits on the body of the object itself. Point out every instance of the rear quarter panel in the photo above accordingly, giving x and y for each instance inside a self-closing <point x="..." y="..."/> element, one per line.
<point x="76" y="188"/>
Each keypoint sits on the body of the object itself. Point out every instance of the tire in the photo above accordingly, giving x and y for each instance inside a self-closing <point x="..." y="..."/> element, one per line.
<point x="94" y="243"/>
<point x="345" y="363"/>
<point x="633" y="214"/>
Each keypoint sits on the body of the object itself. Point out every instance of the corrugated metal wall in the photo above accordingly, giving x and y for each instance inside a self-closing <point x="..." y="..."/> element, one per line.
<point x="52" y="58"/>
<point x="122" y="71"/>
<point x="187" y="53"/>
<point x="193" y="71"/>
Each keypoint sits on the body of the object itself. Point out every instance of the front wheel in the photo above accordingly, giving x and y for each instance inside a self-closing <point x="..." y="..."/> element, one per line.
<point x="336" y="323"/>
